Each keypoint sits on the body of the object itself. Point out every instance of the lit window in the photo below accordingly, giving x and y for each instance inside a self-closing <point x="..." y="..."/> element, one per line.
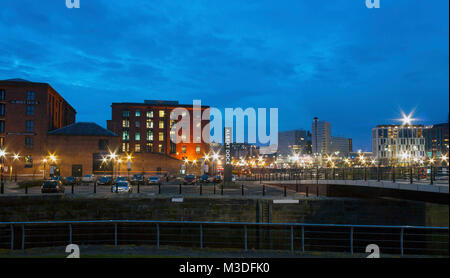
<point x="161" y="113"/>
<point x="183" y="149"/>
<point x="149" y="114"/>
<point x="28" y="161"/>
<point x="125" y="123"/>
<point x="161" y="124"/>
<point x="197" y="149"/>
<point x="160" y="148"/>
<point x="137" y="148"/>
<point x="138" y="113"/>
<point x="137" y="136"/>
<point x="149" y="135"/>
<point x="149" y="124"/>
<point x="149" y="147"/>
<point x="161" y="136"/>
<point x="126" y="114"/>
<point x="125" y="147"/>
<point x="126" y="135"/>
<point x="138" y="124"/>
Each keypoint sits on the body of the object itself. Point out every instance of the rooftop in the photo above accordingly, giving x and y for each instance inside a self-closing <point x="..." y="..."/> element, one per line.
<point x="83" y="129"/>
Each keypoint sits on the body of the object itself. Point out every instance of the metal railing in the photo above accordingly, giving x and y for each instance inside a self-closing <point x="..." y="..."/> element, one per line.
<point x="294" y="237"/>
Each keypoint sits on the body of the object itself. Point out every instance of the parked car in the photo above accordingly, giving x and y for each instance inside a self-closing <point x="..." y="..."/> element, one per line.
<point x="70" y="181"/>
<point x="218" y="179"/>
<point x="120" y="178"/>
<point x="137" y="178"/>
<point x="88" y="178"/>
<point x="204" y="178"/>
<point x="121" y="187"/>
<point x="189" y="179"/>
<point x="105" y="180"/>
<point x="52" y="186"/>
<point x="154" y="180"/>
<point x="56" y="178"/>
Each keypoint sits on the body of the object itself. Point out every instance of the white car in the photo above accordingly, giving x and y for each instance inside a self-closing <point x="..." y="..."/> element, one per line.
<point x="88" y="178"/>
<point x="121" y="187"/>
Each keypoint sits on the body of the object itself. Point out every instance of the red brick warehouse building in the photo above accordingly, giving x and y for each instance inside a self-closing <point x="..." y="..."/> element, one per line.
<point x="28" y="111"/>
<point x="144" y="130"/>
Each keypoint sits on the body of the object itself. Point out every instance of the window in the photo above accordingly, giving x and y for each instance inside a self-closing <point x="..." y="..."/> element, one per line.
<point x="2" y="109"/>
<point x="126" y="135"/>
<point x="161" y="124"/>
<point x="31" y="95"/>
<point x="137" y="137"/>
<point x="160" y="148"/>
<point x="162" y="113"/>
<point x="149" y="124"/>
<point x="28" y="161"/>
<point x="137" y="148"/>
<point x="138" y="113"/>
<point x="126" y="123"/>
<point x="2" y="94"/>
<point x="197" y="149"/>
<point x="126" y="114"/>
<point x="149" y="135"/>
<point x="30" y="110"/>
<point x="149" y="114"/>
<point x="173" y="148"/>
<point x="183" y="149"/>
<point x="161" y="136"/>
<point x="149" y="147"/>
<point x="30" y="126"/>
<point x="29" y="142"/>
<point x="138" y="124"/>
<point x="103" y="144"/>
<point x="2" y="142"/>
<point x="2" y="126"/>
<point x="125" y="147"/>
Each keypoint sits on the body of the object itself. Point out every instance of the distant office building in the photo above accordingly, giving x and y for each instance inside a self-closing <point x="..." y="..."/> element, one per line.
<point x="243" y="150"/>
<point x="436" y="140"/>
<point x="395" y="142"/>
<point x="342" y="145"/>
<point x="294" y="141"/>
<point x="321" y="137"/>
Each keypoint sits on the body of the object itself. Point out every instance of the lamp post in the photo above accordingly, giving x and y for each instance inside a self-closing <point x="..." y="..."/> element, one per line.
<point x="2" y="183"/>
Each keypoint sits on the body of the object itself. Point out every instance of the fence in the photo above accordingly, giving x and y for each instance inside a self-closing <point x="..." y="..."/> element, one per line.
<point x="294" y="237"/>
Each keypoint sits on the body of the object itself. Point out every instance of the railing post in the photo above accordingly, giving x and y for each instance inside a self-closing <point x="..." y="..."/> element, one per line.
<point x="23" y="237"/>
<point x="201" y="236"/>
<point x="214" y="189"/>
<point x="401" y="241"/>
<point x="221" y="189"/>
<point x="245" y="237"/>
<point x="201" y="189"/>
<point x="242" y="188"/>
<point x="139" y="186"/>
<point x="410" y="175"/>
<point x="70" y="233"/>
<point x="26" y="188"/>
<point x="72" y="187"/>
<point x="157" y="236"/>
<point x="12" y="236"/>
<point x="159" y="188"/>
<point x="303" y="238"/>
<point x="431" y="175"/>
<point x="95" y="186"/>
<point x="351" y="240"/>
<point x="285" y="193"/>
<point x="179" y="189"/>
<point x="115" y="234"/>
<point x="264" y="190"/>
<point x="393" y="174"/>
<point x="292" y="238"/>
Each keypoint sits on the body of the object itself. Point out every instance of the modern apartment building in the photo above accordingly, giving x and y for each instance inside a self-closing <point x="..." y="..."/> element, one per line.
<point x="436" y="140"/>
<point x="341" y="145"/>
<point x="397" y="143"/>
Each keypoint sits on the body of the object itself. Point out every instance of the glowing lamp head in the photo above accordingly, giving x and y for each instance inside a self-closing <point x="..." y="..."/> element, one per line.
<point x="16" y="156"/>
<point x="2" y="153"/>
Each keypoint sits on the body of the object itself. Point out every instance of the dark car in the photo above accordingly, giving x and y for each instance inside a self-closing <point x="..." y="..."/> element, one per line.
<point x="69" y="181"/>
<point x="105" y="180"/>
<point x="189" y="179"/>
<point x="204" y="178"/>
<point x="52" y="186"/>
<point x="137" y="178"/>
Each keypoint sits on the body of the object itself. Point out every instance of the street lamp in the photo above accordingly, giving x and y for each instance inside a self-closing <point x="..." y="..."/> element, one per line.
<point x="15" y="158"/>
<point x="2" y="184"/>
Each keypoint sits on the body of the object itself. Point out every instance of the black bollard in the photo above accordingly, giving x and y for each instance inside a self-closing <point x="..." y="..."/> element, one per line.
<point x="95" y="187"/>
<point x="317" y="191"/>
<point x="201" y="189"/>
<point x="221" y="189"/>
<point x="72" y="187"/>
<point x="139" y="187"/>
<point x="179" y="189"/>
<point x="264" y="190"/>
<point x="242" y="189"/>
<point x="159" y="188"/>
<point x="214" y="189"/>
<point x="26" y="188"/>
<point x="285" y="192"/>
<point x="307" y="191"/>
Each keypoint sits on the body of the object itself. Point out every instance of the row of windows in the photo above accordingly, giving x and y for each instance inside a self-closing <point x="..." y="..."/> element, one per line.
<point x="403" y="141"/>
<point x="148" y="124"/>
<point x="29" y="126"/>
<point x="149" y="114"/>
<point x="149" y="148"/>
<point x="137" y="136"/>
<point x="30" y="95"/>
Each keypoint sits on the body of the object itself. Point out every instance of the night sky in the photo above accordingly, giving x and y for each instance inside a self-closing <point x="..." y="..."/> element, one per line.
<point x="334" y="59"/>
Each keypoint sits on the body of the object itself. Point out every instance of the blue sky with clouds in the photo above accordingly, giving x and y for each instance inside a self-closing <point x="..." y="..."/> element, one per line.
<point x="334" y="59"/>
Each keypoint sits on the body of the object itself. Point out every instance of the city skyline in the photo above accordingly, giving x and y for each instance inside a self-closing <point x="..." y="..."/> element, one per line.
<point x="350" y="62"/>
